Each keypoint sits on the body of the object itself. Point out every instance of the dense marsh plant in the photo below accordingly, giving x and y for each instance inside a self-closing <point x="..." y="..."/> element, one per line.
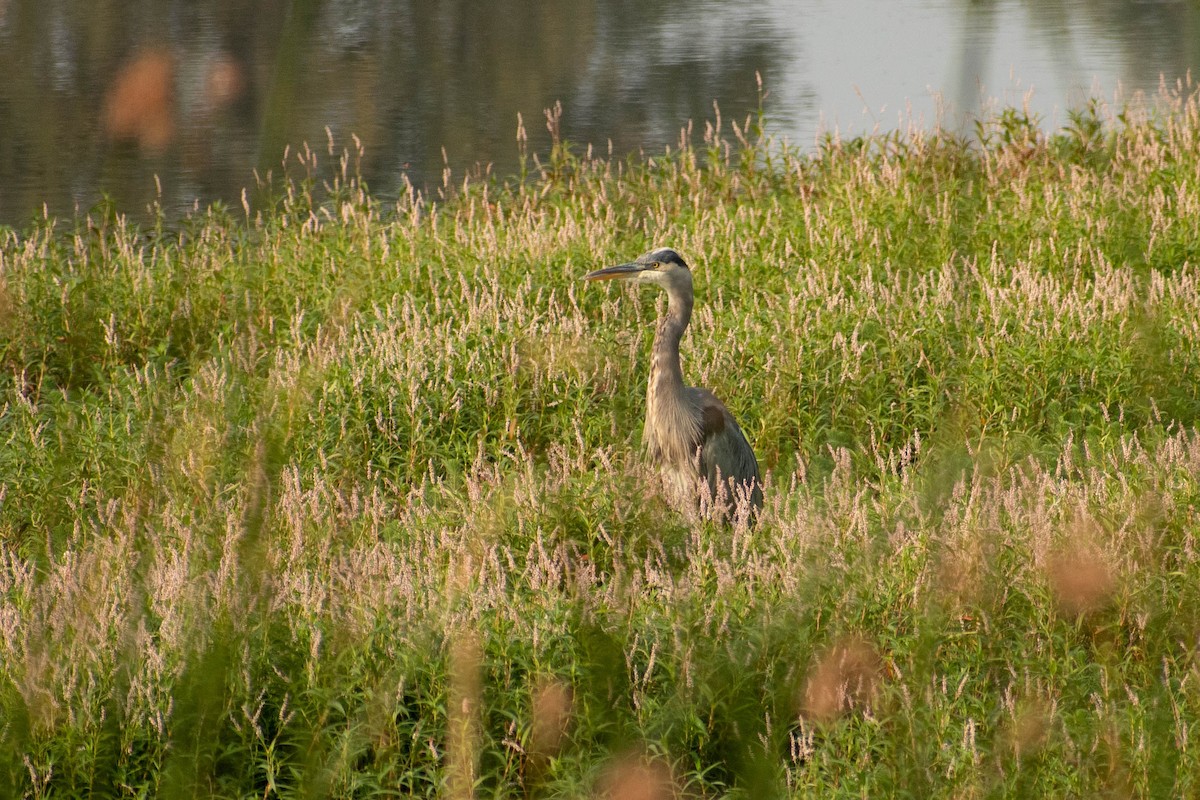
<point x="338" y="496"/>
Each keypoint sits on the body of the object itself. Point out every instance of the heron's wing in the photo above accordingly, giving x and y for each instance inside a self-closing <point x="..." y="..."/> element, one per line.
<point x="724" y="451"/>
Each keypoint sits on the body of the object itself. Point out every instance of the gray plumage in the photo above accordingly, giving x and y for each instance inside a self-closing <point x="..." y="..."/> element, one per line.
<point x="689" y="433"/>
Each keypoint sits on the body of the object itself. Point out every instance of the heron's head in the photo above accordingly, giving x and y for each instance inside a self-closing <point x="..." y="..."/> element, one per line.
<point x="662" y="267"/>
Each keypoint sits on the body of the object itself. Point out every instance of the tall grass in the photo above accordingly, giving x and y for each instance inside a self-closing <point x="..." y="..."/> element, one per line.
<point x="337" y="496"/>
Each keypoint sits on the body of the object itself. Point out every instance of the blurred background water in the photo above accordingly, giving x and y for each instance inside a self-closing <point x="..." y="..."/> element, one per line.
<point x="179" y="101"/>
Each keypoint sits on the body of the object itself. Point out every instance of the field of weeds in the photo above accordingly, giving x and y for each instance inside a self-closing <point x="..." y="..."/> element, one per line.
<point x="338" y="496"/>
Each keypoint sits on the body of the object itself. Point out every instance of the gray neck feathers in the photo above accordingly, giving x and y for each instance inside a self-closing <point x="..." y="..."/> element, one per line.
<point x="672" y="429"/>
<point x="664" y="362"/>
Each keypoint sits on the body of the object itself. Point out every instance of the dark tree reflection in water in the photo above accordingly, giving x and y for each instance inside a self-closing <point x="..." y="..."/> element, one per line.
<point x="116" y="99"/>
<point x="101" y="98"/>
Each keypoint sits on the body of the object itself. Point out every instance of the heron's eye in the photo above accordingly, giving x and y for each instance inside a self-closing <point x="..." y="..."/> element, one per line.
<point x="656" y="265"/>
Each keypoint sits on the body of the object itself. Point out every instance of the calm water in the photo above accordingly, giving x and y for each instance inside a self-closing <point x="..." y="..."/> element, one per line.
<point x="101" y="96"/>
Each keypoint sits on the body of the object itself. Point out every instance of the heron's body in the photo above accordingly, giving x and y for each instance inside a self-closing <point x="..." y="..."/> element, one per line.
<point x="689" y="433"/>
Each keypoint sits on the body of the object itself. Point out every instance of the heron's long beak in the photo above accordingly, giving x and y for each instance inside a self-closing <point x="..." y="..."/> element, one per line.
<point x="619" y="272"/>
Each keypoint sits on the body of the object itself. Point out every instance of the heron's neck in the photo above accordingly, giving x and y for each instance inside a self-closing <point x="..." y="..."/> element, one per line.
<point x="666" y="375"/>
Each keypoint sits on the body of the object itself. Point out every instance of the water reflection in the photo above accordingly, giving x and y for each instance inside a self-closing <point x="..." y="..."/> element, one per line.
<point x="102" y="96"/>
<point x="1070" y="50"/>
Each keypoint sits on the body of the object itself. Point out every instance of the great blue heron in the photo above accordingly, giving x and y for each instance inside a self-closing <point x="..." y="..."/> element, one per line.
<point x="689" y="433"/>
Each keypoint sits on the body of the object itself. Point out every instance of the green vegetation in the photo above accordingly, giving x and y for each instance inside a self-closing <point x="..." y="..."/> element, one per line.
<point x="342" y="497"/>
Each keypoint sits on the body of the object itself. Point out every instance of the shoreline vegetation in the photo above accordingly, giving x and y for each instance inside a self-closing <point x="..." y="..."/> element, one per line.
<point x="330" y="496"/>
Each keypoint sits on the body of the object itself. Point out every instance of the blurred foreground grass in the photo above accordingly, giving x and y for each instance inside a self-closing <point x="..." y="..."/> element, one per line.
<point x="341" y="498"/>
